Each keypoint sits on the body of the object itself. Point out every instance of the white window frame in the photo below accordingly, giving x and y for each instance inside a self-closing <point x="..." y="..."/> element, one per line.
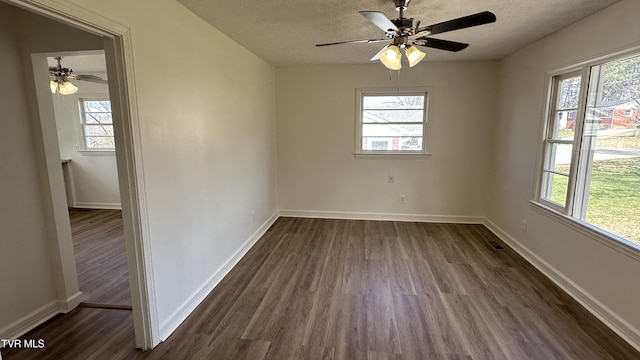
<point x="386" y="154"/>
<point x="572" y="211"/>
<point x="547" y="140"/>
<point x="84" y="147"/>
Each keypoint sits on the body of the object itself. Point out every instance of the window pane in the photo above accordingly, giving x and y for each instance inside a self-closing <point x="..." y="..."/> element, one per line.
<point x="392" y="143"/>
<point x="614" y="195"/>
<point x="100" y="142"/>
<point x="98" y="130"/>
<point x="391" y="130"/>
<point x="98" y="118"/>
<point x="384" y="116"/>
<point x="558" y="157"/>
<point x="393" y="102"/>
<point x="611" y="146"/>
<point x="568" y="93"/>
<point x="565" y="125"/>
<point x="392" y="122"/>
<point x="554" y="188"/>
<point x="97" y="106"/>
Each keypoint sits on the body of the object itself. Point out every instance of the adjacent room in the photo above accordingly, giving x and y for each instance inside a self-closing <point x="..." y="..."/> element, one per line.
<point x="406" y="179"/>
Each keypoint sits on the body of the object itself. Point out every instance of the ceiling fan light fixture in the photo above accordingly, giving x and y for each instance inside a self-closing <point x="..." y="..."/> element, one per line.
<point x="53" y="85"/>
<point x="391" y="57"/>
<point x="414" y="55"/>
<point x="67" y="88"/>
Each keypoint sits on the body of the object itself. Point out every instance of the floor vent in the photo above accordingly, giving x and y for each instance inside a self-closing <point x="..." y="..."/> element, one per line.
<point x="495" y="245"/>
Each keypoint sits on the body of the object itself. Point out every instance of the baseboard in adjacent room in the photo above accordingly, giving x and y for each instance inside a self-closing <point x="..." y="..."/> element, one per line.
<point x="94" y="205"/>
<point x="454" y="219"/>
<point x="71" y="303"/>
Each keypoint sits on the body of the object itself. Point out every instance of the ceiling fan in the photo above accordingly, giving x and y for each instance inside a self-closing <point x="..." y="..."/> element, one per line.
<point x="60" y="77"/>
<point x="406" y="33"/>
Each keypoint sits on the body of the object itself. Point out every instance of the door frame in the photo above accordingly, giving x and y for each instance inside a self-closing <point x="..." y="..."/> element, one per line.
<point x="122" y="92"/>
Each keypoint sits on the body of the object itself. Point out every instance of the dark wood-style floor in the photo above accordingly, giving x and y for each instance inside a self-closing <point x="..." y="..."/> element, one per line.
<point x="343" y="289"/>
<point x="98" y="243"/>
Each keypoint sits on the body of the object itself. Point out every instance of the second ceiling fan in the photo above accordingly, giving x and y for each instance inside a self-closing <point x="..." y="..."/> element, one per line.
<point x="406" y="33"/>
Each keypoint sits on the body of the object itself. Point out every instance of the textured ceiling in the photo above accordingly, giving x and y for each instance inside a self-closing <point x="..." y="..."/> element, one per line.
<point x="89" y="62"/>
<point x="284" y="32"/>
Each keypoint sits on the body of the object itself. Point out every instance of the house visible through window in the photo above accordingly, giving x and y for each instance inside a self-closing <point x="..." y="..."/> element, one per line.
<point x="591" y="164"/>
<point x="97" y="124"/>
<point x="391" y="122"/>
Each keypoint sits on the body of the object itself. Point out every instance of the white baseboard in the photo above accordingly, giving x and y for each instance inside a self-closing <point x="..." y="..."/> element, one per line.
<point x="95" y="205"/>
<point x="616" y="323"/>
<point x="383" y="216"/>
<point x="29" y="321"/>
<point x="171" y="324"/>
<point x="71" y="303"/>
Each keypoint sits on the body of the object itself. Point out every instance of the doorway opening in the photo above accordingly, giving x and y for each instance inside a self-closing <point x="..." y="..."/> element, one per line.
<point x="115" y="40"/>
<point x="84" y="124"/>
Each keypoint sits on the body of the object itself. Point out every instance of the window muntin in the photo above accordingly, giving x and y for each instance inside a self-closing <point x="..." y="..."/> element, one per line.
<point x="97" y="124"/>
<point x="591" y="166"/>
<point x="391" y="122"/>
<point x="559" y="141"/>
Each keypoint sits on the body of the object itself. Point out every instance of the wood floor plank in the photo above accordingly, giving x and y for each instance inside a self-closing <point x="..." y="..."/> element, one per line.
<point x="101" y="262"/>
<point x="351" y="289"/>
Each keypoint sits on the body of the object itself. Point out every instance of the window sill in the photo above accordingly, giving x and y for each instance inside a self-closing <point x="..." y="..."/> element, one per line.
<point x="390" y="156"/>
<point x="96" y="152"/>
<point x="615" y="242"/>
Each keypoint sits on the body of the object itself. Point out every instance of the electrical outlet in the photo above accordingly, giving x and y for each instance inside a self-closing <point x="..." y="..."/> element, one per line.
<point x="402" y="199"/>
<point x="392" y="179"/>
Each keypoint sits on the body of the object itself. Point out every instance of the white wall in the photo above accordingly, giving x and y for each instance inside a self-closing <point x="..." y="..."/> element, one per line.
<point x="206" y="109"/>
<point x="207" y="140"/>
<point x="605" y="278"/>
<point x="316" y="122"/>
<point x="94" y="174"/>
<point x="26" y="281"/>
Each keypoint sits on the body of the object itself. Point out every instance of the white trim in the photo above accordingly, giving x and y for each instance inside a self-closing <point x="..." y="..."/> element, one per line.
<point x="616" y="323"/>
<point x="97" y="205"/>
<point x="29" y="321"/>
<point x="453" y="219"/>
<point x="592" y="232"/>
<point x="426" y="91"/>
<point x="393" y="156"/>
<point x="131" y="176"/>
<point x="71" y="303"/>
<point x="174" y="320"/>
<point x="101" y="152"/>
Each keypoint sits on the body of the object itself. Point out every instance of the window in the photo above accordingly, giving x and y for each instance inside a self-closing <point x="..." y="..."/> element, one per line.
<point x="391" y="121"/>
<point x="591" y="158"/>
<point x="97" y="124"/>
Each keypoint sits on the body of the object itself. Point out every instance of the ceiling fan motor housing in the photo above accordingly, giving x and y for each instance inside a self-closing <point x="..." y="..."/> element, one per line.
<point x="406" y="26"/>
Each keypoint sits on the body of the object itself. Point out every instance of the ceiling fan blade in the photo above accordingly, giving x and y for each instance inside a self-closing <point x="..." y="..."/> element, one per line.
<point x="440" y="44"/>
<point x="352" y="42"/>
<point x="481" y="18"/>
<point x="87" y="77"/>
<point x="380" y="20"/>
<point x="377" y="56"/>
